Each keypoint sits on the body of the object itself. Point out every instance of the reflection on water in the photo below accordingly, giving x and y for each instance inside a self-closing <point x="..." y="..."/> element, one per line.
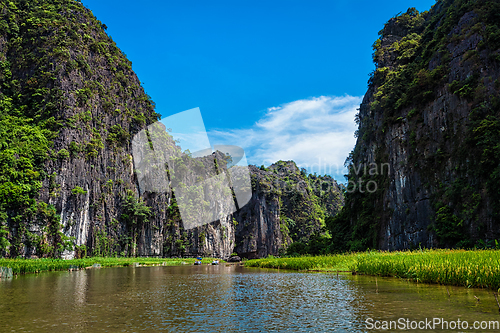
<point x="223" y="299"/>
<point x="390" y="299"/>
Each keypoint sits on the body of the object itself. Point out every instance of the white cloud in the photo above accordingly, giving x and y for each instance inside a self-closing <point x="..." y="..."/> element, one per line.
<point x="317" y="133"/>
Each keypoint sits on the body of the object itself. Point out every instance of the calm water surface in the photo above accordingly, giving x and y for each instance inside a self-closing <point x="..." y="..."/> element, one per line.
<point x="224" y="299"/>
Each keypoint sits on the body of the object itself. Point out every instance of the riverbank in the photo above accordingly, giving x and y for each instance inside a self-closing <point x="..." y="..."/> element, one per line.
<point x="26" y="266"/>
<point x="467" y="268"/>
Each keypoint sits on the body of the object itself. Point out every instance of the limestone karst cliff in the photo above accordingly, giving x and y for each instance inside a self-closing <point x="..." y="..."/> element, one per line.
<point x="426" y="165"/>
<point x="70" y="106"/>
<point x="286" y="206"/>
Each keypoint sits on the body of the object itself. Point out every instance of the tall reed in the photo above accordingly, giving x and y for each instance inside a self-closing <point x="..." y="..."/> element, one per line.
<point x="24" y="266"/>
<point x="468" y="268"/>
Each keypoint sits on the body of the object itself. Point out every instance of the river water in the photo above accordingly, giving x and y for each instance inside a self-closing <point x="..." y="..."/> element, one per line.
<point x="228" y="299"/>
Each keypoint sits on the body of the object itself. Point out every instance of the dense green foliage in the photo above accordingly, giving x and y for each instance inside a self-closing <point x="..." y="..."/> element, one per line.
<point x="24" y="148"/>
<point x="480" y="268"/>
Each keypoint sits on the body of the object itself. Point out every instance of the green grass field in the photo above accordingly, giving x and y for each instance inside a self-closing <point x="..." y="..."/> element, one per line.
<point x="341" y="262"/>
<point x="468" y="268"/>
<point x="25" y="266"/>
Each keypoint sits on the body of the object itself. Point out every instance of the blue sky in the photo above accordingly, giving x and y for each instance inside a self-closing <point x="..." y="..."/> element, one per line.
<point x="282" y="79"/>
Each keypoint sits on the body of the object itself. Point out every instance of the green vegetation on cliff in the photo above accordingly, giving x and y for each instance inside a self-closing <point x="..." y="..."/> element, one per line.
<point x="70" y="106"/>
<point x="292" y="205"/>
<point x="49" y="82"/>
<point x="432" y="112"/>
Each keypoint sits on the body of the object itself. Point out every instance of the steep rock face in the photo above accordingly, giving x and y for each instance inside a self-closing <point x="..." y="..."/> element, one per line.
<point x="286" y="206"/>
<point x="427" y="128"/>
<point x="69" y="185"/>
<point x="75" y="92"/>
